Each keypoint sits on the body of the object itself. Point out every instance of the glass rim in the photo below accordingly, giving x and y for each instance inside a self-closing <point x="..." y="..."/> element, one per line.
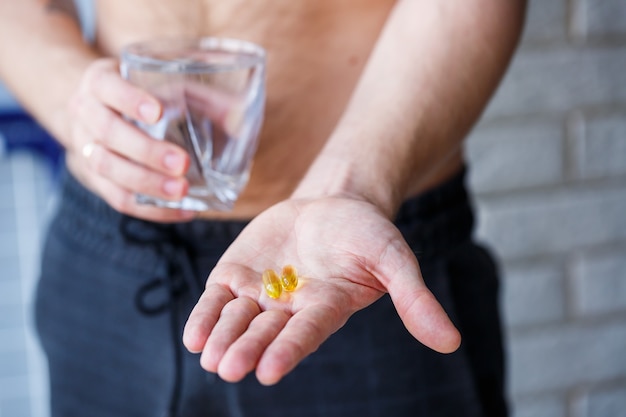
<point x="141" y="54"/>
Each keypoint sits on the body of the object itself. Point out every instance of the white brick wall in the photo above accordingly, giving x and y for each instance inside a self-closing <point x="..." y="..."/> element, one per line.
<point x="602" y="402"/>
<point x="554" y="79"/>
<point x="548" y="167"/>
<point x="545" y="21"/>
<point x="554" y="221"/>
<point x="599" y="283"/>
<point x="598" y="18"/>
<point x="534" y="294"/>
<point x="25" y="184"/>
<point x="517" y="154"/>
<point x="560" y="356"/>
<point x="600" y="145"/>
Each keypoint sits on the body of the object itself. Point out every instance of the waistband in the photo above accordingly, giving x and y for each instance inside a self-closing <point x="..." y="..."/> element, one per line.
<point x="432" y="222"/>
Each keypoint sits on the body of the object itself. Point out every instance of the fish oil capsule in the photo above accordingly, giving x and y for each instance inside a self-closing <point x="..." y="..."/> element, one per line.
<point x="289" y="278"/>
<point x="271" y="283"/>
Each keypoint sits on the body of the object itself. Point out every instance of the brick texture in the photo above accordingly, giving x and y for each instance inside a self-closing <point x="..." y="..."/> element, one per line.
<point x="11" y="315"/>
<point x="601" y="146"/>
<point x="599" y="18"/>
<point x="16" y="407"/>
<point x="558" y="79"/>
<point x="545" y="21"/>
<point x="516" y="154"/>
<point x="11" y="388"/>
<point x="544" y="407"/>
<point x="533" y="294"/>
<point x="12" y="338"/>
<point x="558" y="358"/>
<point x="8" y="249"/>
<point x="599" y="283"/>
<point x="603" y="402"/>
<point x="548" y="168"/>
<point x="13" y="363"/>
<point x="22" y="371"/>
<point x="554" y="222"/>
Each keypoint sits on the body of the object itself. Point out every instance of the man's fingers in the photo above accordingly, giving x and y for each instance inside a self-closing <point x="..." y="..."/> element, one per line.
<point x="427" y="321"/>
<point x="420" y="312"/>
<point x="302" y="335"/>
<point x="108" y="128"/>
<point x="204" y="316"/>
<point x="243" y="355"/>
<point x="125" y="201"/>
<point x="232" y="323"/>
<point x="105" y="81"/>
<point x="132" y="176"/>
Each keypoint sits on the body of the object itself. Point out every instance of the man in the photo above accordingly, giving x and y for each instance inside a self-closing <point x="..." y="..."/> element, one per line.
<point x="368" y="104"/>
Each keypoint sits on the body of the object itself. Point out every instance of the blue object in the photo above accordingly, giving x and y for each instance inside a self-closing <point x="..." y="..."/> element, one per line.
<point x="19" y="131"/>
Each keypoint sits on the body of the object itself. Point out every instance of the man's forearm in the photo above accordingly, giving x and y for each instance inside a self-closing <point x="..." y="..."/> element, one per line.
<point x="42" y="57"/>
<point x="428" y="79"/>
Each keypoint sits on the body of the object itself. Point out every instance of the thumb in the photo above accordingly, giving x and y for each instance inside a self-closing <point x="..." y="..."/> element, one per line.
<point x="418" y="308"/>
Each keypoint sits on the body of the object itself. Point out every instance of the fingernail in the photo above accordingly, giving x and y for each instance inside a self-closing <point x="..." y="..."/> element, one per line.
<point x="149" y="111"/>
<point x="173" y="187"/>
<point x="174" y="161"/>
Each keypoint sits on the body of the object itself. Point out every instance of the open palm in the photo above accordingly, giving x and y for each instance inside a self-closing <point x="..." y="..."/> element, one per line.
<point x="347" y="255"/>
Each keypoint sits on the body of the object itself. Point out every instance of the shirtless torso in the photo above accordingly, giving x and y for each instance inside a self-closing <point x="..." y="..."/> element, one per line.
<point x="316" y="53"/>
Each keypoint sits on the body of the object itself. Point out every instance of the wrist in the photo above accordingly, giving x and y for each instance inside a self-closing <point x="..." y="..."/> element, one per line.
<point x="337" y="176"/>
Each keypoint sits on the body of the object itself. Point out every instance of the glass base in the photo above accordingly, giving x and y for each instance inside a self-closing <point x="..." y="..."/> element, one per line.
<point x="187" y="203"/>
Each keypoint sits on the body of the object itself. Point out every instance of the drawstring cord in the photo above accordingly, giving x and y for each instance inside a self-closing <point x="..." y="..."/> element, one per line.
<point x="176" y="274"/>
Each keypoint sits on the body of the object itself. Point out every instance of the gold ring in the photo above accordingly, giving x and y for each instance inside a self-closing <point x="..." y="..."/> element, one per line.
<point x="88" y="149"/>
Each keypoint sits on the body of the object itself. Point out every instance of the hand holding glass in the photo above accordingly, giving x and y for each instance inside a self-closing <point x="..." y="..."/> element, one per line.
<point x="213" y="96"/>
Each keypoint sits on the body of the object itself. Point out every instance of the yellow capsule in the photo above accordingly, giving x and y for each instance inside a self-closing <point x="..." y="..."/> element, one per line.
<point x="289" y="278"/>
<point x="271" y="283"/>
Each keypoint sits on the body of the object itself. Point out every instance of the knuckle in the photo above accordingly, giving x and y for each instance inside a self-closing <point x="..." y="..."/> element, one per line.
<point x="121" y="202"/>
<point x="146" y="179"/>
<point x="94" y="73"/>
<point x="155" y="153"/>
<point x="106" y="126"/>
<point x="142" y="146"/>
<point x="101" y="161"/>
<point x="82" y="108"/>
<point x="78" y="138"/>
<point x="292" y="351"/>
<point x="74" y="104"/>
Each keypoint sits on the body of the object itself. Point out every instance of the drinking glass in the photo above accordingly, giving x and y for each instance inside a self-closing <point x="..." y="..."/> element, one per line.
<point x="213" y="96"/>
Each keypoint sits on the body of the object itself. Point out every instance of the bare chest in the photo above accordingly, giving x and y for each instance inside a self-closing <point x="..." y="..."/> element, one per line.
<point x="264" y="21"/>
